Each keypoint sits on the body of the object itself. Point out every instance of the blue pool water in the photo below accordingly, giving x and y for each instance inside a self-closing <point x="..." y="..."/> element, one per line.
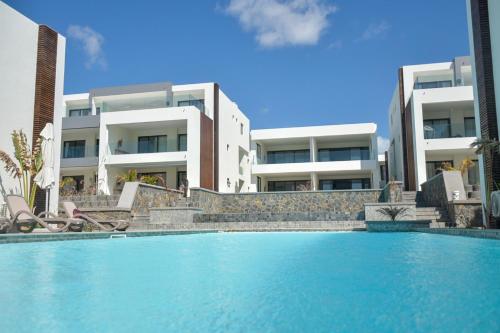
<point x="253" y="282"/>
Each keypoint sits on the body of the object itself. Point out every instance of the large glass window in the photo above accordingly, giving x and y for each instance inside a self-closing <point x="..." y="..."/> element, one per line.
<point x="289" y="185"/>
<point x="182" y="142"/>
<point x="74" y="149"/>
<point x="433" y="84"/>
<point x="288" y="156"/>
<point x="344" y="184"/>
<point x="152" y="144"/>
<point x="437" y="128"/>
<point x="473" y="174"/>
<point x="80" y="112"/>
<point x="343" y="154"/>
<point x="435" y="167"/>
<point x="199" y="103"/>
<point x="470" y="126"/>
<point x="182" y="179"/>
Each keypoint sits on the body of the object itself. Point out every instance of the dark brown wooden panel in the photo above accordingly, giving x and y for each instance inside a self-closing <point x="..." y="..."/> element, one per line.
<point x="206" y="152"/>
<point x="45" y="86"/>
<point x="486" y="93"/>
<point x="406" y="137"/>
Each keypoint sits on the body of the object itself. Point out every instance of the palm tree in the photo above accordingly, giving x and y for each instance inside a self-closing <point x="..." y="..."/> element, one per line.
<point x="483" y="145"/>
<point x="29" y="163"/>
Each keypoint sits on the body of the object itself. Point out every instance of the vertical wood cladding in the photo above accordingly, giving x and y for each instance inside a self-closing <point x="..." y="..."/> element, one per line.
<point x="45" y="86"/>
<point x="216" y="137"/>
<point x="486" y="93"/>
<point x="206" y="152"/>
<point x="406" y="137"/>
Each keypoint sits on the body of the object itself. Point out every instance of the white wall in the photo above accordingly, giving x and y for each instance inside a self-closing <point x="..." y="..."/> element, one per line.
<point x="18" y="57"/>
<point x="111" y="131"/>
<point x="234" y="146"/>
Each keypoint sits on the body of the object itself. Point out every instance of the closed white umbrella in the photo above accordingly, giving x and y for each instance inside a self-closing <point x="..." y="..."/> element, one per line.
<point x="45" y="178"/>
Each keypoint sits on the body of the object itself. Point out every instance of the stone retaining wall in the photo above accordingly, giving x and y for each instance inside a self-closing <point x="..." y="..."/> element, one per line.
<point x="476" y="233"/>
<point x="466" y="213"/>
<point x="395" y="226"/>
<point x="349" y="203"/>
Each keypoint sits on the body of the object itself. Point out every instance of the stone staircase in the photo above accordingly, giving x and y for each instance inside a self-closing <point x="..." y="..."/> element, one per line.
<point x="438" y="215"/>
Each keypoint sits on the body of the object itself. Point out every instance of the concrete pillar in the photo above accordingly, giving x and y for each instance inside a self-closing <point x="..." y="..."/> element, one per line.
<point x="313" y="149"/>
<point x="314" y="181"/>
<point x="418" y="142"/>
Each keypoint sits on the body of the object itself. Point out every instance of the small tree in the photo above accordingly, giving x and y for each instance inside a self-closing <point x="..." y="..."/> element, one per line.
<point x="29" y="163"/>
<point x="393" y="212"/>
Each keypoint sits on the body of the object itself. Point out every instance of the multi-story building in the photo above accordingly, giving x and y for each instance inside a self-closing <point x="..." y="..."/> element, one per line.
<point x="432" y="122"/>
<point x="31" y="90"/>
<point x="189" y="134"/>
<point x="484" y="38"/>
<point x="330" y="157"/>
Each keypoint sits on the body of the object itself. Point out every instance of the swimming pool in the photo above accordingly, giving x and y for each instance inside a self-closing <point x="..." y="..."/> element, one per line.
<point x="253" y="282"/>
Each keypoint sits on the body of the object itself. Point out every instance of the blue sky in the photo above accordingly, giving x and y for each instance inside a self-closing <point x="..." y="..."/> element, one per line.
<point x="286" y="63"/>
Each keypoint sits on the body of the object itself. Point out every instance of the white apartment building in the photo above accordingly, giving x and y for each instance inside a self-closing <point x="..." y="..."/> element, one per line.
<point x="32" y="60"/>
<point x="432" y="121"/>
<point x="189" y="134"/>
<point x="332" y="157"/>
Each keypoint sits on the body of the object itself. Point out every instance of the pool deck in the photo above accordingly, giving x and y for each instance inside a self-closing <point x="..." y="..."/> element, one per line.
<point x="45" y="236"/>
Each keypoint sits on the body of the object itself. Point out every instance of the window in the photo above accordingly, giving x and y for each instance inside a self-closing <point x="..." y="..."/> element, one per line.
<point x="181" y="178"/>
<point x="74" y="149"/>
<point x="241" y="128"/>
<point x="437" y="128"/>
<point x="473" y="174"/>
<point x="288" y="156"/>
<point x="433" y="84"/>
<point x="259" y="184"/>
<point x="434" y="167"/>
<point x="199" y="103"/>
<point x="343" y="154"/>
<point x="80" y="112"/>
<point x="98" y="110"/>
<point x="470" y="126"/>
<point x="182" y="142"/>
<point x="288" y="185"/>
<point x="259" y="153"/>
<point x="96" y="152"/>
<point x="152" y="144"/>
<point x="344" y="184"/>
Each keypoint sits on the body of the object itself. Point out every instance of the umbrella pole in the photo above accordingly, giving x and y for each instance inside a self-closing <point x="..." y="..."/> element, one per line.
<point x="47" y="199"/>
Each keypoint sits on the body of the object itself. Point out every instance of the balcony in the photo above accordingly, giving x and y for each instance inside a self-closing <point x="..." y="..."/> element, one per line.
<point x="73" y="122"/>
<point x="158" y="150"/>
<point x="338" y="167"/>
<point x="77" y="157"/>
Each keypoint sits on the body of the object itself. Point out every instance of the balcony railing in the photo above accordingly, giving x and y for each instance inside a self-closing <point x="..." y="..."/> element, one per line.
<point x="135" y="147"/>
<point x="448" y="130"/>
<point x="80" y="152"/>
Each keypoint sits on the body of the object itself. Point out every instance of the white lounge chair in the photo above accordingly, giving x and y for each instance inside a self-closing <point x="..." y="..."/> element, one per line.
<point x="25" y="221"/>
<point x="72" y="212"/>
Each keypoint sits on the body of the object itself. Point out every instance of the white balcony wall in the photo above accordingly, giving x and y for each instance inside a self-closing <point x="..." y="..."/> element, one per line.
<point x="111" y="131"/>
<point x="234" y="142"/>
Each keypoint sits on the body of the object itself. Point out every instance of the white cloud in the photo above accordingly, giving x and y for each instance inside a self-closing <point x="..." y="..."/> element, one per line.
<point x="282" y="22"/>
<point x="92" y="42"/>
<point x="383" y="144"/>
<point x="375" y="30"/>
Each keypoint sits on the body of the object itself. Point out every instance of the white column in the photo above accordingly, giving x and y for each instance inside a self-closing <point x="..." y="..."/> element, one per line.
<point x="314" y="181"/>
<point x="313" y="149"/>
<point x="418" y="141"/>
